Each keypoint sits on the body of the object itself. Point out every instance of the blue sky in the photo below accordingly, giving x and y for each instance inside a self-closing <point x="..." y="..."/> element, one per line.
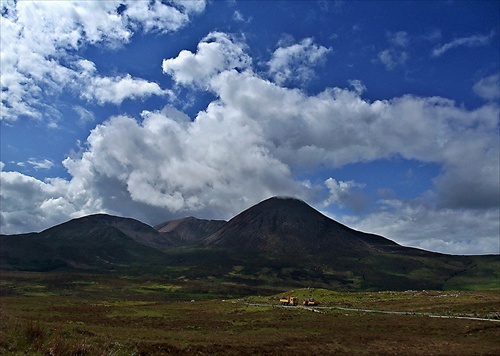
<point x="384" y="115"/>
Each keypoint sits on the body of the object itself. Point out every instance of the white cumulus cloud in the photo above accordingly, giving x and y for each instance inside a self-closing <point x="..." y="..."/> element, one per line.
<point x="294" y="63"/>
<point x="43" y="164"/>
<point x="116" y="89"/>
<point x="29" y="204"/>
<point x="40" y="40"/>
<point x="345" y="193"/>
<point x="488" y="88"/>
<point x="216" y="53"/>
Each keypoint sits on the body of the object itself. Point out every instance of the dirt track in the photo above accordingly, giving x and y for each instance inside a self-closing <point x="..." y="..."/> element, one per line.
<point x="318" y="310"/>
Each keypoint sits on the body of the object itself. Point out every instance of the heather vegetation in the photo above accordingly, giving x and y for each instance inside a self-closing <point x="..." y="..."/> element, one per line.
<point x="104" y="285"/>
<point x="109" y="314"/>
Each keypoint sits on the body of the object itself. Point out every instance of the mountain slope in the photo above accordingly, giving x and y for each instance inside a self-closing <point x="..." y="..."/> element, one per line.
<point x="288" y="227"/>
<point x="302" y="245"/>
<point x="278" y="242"/>
<point x="95" y="242"/>
<point x="188" y="231"/>
<point x="140" y="232"/>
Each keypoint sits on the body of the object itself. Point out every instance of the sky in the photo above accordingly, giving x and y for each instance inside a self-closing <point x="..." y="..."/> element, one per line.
<point x="383" y="115"/>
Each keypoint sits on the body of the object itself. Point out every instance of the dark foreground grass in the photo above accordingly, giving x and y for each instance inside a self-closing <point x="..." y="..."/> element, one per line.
<point x="139" y="318"/>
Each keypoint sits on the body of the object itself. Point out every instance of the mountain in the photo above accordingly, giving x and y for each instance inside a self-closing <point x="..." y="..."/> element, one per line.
<point x="140" y="232"/>
<point x="282" y="227"/>
<point x="286" y="228"/>
<point x="92" y="242"/>
<point x="278" y="242"/>
<point x="288" y="239"/>
<point x="188" y="231"/>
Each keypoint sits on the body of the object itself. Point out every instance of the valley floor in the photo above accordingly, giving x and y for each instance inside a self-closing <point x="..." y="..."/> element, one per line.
<point x="86" y="316"/>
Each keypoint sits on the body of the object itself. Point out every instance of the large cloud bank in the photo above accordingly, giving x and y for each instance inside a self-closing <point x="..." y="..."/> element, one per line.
<point x="253" y="140"/>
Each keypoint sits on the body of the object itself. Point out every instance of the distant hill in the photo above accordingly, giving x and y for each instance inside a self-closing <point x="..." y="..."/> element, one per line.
<point x="280" y="241"/>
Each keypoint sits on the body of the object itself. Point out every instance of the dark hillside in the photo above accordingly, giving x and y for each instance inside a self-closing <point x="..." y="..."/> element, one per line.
<point x="302" y="245"/>
<point x="278" y="242"/>
<point x="140" y="232"/>
<point x="188" y="231"/>
<point x="287" y="227"/>
<point x="91" y="242"/>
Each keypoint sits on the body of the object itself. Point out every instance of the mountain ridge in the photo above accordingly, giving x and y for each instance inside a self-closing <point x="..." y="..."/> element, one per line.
<point x="96" y="241"/>
<point x="279" y="241"/>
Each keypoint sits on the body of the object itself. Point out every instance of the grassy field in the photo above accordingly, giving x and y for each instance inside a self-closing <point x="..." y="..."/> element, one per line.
<point x="105" y="314"/>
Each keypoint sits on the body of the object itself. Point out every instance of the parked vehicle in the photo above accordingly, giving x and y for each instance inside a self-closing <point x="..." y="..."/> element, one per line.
<point x="289" y="301"/>
<point x="309" y="302"/>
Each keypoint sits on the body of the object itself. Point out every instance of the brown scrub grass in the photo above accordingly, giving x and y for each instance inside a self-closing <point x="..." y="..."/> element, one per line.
<point x="81" y="319"/>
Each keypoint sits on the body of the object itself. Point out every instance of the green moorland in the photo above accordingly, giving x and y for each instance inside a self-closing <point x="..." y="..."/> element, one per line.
<point x="116" y="314"/>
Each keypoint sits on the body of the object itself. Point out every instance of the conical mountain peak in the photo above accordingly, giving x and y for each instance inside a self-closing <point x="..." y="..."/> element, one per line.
<point x="282" y="227"/>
